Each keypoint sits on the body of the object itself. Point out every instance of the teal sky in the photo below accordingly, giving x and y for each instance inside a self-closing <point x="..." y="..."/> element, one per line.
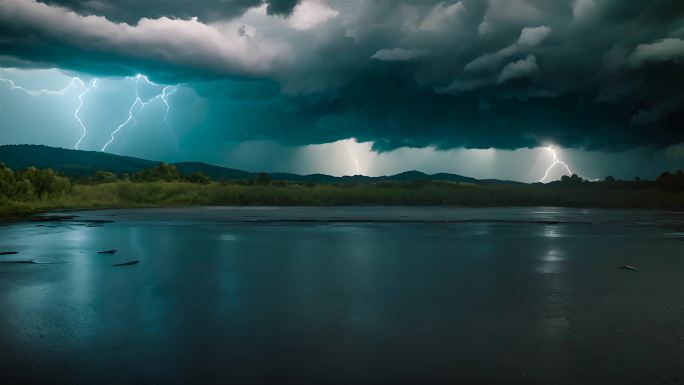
<point x="475" y="87"/>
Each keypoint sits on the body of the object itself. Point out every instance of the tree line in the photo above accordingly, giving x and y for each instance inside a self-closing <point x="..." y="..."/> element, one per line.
<point x="26" y="191"/>
<point x="669" y="182"/>
<point x="33" y="183"/>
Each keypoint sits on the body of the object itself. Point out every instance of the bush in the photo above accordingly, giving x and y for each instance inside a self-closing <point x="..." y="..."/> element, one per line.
<point x="104" y="177"/>
<point x="44" y="182"/>
<point x="671" y="182"/>
<point x="164" y="172"/>
<point x="199" y="178"/>
<point x="7" y="181"/>
<point x="262" y="178"/>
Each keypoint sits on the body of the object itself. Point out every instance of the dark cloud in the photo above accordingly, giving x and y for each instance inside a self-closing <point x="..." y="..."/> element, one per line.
<point x="599" y="74"/>
<point x="281" y="7"/>
<point x="130" y="11"/>
<point x="41" y="32"/>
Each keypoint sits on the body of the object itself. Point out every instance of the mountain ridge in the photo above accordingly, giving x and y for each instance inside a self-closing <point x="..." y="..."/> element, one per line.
<point x="82" y="163"/>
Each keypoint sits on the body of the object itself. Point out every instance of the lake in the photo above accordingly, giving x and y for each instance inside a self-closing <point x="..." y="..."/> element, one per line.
<point x="348" y="295"/>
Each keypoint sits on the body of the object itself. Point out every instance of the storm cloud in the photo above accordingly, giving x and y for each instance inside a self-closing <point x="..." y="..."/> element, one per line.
<point x="130" y="11"/>
<point x="595" y="74"/>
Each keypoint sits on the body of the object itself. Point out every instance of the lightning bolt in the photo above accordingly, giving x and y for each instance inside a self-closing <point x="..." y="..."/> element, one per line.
<point x="75" y="81"/>
<point x="43" y="91"/>
<point x="93" y="84"/>
<point x="164" y="95"/>
<point x="122" y="125"/>
<point x="556" y="162"/>
<point x="165" y="99"/>
<point x="356" y="161"/>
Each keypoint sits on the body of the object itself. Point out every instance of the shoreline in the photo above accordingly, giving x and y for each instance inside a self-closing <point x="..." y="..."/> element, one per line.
<point x="35" y="216"/>
<point x="353" y="214"/>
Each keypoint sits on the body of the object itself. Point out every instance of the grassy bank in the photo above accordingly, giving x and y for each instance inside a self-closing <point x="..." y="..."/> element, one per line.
<point x="142" y="194"/>
<point x="32" y="190"/>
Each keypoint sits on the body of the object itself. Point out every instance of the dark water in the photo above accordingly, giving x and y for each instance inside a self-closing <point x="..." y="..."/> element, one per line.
<point x="345" y="295"/>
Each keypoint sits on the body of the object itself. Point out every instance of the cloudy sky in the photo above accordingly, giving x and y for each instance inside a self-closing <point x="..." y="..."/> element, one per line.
<point x="477" y="87"/>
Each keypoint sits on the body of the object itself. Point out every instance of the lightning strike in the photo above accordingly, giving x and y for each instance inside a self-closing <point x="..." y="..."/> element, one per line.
<point x="139" y="102"/>
<point x="75" y="81"/>
<point x="556" y="162"/>
<point x="93" y="84"/>
<point x="43" y="91"/>
<point x="122" y="125"/>
<point x="164" y="97"/>
<point x="356" y="161"/>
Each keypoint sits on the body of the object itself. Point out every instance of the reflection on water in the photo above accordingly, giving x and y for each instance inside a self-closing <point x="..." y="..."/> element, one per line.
<point x="551" y="262"/>
<point x="345" y="295"/>
<point x="550" y="232"/>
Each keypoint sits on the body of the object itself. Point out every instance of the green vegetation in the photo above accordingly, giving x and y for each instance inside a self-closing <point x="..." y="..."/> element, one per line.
<point x="31" y="190"/>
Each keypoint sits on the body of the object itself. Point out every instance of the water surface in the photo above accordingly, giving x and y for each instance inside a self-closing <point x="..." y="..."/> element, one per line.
<point x="349" y="295"/>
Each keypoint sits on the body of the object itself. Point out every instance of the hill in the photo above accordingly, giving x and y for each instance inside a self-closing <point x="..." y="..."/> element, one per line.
<point x="79" y="163"/>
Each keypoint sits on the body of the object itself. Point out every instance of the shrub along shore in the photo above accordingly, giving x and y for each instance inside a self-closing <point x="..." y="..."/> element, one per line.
<point x="25" y="192"/>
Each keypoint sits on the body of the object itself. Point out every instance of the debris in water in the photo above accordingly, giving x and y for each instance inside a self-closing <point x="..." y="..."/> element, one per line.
<point x="130" y="263"/>
<point x="52" y="218"/>
<point x="628" y="267"/>
<point x="112" y="251"/>
<point x="31" y="262"/>
<point x="8" y="252"/>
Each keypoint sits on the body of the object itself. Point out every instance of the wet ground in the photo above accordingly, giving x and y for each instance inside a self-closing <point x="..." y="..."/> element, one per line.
<point x="349" y="295"/>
